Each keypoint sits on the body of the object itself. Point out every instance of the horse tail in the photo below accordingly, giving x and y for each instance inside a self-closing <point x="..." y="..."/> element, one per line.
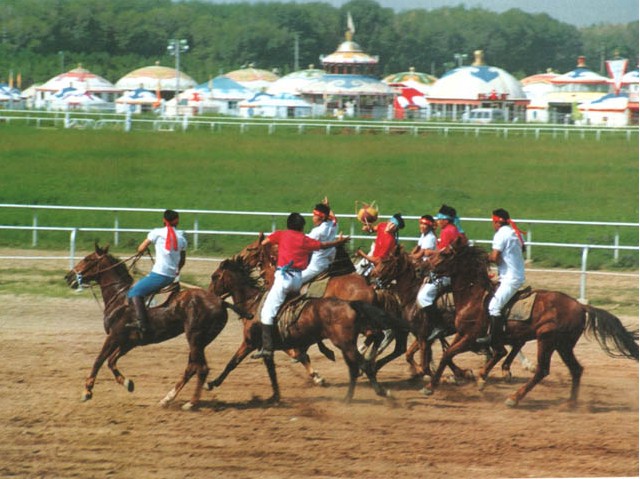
<point x="372" y="317"/>
<point x="611" y="334"/>
<point x="239" y="311"/>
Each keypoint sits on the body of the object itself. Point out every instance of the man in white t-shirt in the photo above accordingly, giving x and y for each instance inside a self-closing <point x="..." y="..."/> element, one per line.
<point x="325" y="229"/>
<point x="170" y="247"/>
<point x="427" y="243"/>
<point x="506" y="252"/>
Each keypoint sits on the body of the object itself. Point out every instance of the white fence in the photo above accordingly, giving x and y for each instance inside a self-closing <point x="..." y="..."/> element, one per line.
<point x="196" y="231"/>
<point x="91" y="120"/>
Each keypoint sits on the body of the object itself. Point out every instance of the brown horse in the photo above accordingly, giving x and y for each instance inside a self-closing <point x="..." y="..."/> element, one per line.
<point x="348" y="287"/>
<point x="196" y="312"/>
<point x="320" y="318"/>
<point x="557" y="321"/>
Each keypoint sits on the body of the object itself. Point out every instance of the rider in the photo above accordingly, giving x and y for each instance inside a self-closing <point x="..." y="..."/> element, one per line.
<point x="325" y="229"/>
<point x="450" y="230"/>
<point x="386" y="241"/>
<point x="294" y="248"/>
<point x="170" y="246"/>
<point x="506" y="252"/>
<point x="427" y="243"/>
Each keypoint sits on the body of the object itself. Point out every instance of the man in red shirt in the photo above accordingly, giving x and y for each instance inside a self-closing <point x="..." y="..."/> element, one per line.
<point x="294" y="251"/>
<point x="385" y="243"/>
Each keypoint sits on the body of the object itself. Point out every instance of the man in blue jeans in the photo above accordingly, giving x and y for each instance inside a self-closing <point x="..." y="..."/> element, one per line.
<point x="170" y="246"/>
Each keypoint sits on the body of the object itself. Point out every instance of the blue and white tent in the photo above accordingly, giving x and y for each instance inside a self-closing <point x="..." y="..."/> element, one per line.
<point x="275" y="106"/>
<point x="218" y="95"/>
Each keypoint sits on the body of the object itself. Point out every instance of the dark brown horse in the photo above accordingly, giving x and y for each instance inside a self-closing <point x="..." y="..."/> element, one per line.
<point x="348" y="287"/>
<point x="321" y="318"/>
<point x="557" y="321"/>
<point x="198" y="313"/>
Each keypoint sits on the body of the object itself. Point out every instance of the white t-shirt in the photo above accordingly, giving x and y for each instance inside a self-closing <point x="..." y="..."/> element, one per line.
<point x="166" y="261"/>
<point x="428" y="241"/>
<point x="326" y="231"/>
<point x="511" y="264"/>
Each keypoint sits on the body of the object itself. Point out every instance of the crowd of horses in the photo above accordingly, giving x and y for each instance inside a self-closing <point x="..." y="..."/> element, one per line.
<point x="358" y="315"/>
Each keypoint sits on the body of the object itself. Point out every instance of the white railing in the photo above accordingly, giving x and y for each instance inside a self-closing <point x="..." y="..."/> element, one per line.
<point x="43" y="119"/>
<point x="196" y="231"/>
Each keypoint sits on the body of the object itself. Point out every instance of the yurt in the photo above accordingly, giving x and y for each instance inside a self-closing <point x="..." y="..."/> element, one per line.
<point x="293" y="83"/>
<point x="477" y="85"/>
<point x="423" y="82"/>
<point x="71" y="98"/>
<point x="138" y="101"/>
<point x="219" y="95"/>
<point x="80" y="79"/>
<point x="275" y="106"/>
<point x="165" y="81"/>
<point x="536" y="88"/>
<point x="253" y="78"/>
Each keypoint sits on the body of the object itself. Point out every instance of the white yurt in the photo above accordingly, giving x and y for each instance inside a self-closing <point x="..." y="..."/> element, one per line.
<point x="477" y="86"/>
<point x="164" y="80"/>
<point x="138" y="101"/>
<point x="609" y="110"/>
<point x="71" y="98"/>
<point x="275" y="106"/>
<point x="80" y="79"/>
<point x="536" y="88"/>
<point x="293" y="83"/>
<point x="253" y="78"/>
<point x="423" y="82"/>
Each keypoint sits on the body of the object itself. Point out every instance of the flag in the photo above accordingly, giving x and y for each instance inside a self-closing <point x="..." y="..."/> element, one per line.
<point x="10" y="79"/>
<point x="616" y="69"/>
<point x="158" y="101"/>
<point x="19" y="81"/>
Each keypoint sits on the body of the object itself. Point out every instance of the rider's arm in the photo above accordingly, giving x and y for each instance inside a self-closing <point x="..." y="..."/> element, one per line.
<point x="494" y="256"/>
<point x="183" y="259"/>
<point x="144" y="245"/>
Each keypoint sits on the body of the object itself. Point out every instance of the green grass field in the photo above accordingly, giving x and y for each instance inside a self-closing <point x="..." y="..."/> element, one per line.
<point x="553" y="179"/>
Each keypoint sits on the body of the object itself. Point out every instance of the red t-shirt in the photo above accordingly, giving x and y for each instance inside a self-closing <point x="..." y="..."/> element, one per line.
<point x="448" y="235"/>
<point x="385" y="242"/>
<point x="294" y="245"/>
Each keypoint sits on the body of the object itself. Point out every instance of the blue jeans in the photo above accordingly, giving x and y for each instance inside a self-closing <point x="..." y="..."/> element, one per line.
<point x="150" y="284"/>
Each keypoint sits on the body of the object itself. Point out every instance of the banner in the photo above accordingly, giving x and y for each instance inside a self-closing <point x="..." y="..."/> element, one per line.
<point x="616" y="69"/>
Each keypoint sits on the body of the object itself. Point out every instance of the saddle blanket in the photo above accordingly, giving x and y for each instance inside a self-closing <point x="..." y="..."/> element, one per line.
<point x="519" y="308"/>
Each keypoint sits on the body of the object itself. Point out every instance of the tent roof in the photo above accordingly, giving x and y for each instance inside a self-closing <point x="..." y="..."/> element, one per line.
<point x="154" y="77"/>
<point x="81" y="78"/>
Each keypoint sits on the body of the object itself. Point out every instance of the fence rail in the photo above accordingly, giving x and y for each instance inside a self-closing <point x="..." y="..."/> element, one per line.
<point x="196" y="231"/>
<point x="127" y="122"/>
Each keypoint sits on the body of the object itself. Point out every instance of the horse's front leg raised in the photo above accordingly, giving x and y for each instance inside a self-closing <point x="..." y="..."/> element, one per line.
<point x="108" y="347"/>
<point x="112" y="363"/>
<point x="242" y="352"/>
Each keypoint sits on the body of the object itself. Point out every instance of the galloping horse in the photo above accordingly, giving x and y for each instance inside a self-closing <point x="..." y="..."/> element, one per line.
<point x="557" y="321"/>
<point x="198" y="313"/>
<point x="320" y="318"/>
<point x="348" y="287"/>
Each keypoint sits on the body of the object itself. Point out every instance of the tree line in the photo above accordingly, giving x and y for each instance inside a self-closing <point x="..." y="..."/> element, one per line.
<point x="39" y="39"/>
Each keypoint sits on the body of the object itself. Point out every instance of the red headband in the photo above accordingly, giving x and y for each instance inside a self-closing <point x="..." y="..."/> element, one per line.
<point x="425" y="221"/>
<point x="171" y="243"/>
<point x="320" y="213"/>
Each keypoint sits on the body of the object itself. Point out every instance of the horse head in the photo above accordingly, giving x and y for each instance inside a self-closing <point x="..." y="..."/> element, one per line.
<point x="93" y="266"/>
<point x="392" y="267"/>
<point x="237" y="278"/>
<point x="462" y="261"/>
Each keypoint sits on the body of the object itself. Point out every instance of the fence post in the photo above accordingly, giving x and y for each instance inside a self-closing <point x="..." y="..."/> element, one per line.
<point x="583" y="276"/>
<point x="72" y="247"/>
<point x="195" y="233"/>
<point x="34" y="233"/>
<point x="273" y="223"/>
<point x="616" y="243"/>
<point x="529" y="240"/>
<point x="116" y="227"/>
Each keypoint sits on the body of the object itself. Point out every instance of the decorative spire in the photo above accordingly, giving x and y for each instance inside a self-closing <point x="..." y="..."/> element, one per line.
<point x="478" y="58"/>
<point x="582" y="61"/>
<point x="351" y="29"/>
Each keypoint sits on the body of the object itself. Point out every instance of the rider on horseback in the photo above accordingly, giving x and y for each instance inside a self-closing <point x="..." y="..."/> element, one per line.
<point x="294" y="248"/>
<point x="385" y="243"/>
<point x="325" y="229"/>
<point x="427" y="243"/>
<point x="170" y="245"/>
<point x="450" y="230"/>
<point x="506" y="252"/>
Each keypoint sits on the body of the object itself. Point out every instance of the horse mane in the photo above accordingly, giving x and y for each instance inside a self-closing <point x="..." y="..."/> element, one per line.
<point x="393" y="266"/>
<point x="245" y="272"/>
<point x="472" y="263"/>
<point x="120" y="268"/>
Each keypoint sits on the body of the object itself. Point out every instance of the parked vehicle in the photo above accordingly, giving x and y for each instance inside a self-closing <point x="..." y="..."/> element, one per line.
<point x="484" y="115"/>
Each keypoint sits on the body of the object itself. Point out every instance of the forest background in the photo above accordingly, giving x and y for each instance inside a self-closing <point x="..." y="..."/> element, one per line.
<point x="39" y="39"/>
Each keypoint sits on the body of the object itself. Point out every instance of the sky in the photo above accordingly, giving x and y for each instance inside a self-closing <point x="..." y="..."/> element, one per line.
<point x="576" y="12"/>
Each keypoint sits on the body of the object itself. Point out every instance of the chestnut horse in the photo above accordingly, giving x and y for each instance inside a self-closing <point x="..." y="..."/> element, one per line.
<point x="321" y="318"/>
<point x="198" y="313"/>
<point x="348" y="287"/>
<point x="557" y="321"/>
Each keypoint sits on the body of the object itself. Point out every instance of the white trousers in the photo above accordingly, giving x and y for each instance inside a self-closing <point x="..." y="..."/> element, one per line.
<point x="429" y="291"/>
<point x="314" y="269"/>
<point x="507" y="288"/>
<point x="283" y="284"/>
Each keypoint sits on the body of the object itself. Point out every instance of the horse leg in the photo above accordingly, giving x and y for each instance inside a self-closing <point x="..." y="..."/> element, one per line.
<point x="273" y="377"/>
<point x="526" y="364"/>
<point x="108" y="347"/>
<point x="242" y="352"/>
<point x="400" y="347"/>
<point x="409" y="356"/>
<point x="506" y="364"/>
<point x="545" y="350"/>
<point x="459" y="345"/>
<point x="575" y="368"/>
<point x="498" y="354"/>
<point x="303" y="358"/>
<point x="112" y="363"/>
<point x="197" y="364"/>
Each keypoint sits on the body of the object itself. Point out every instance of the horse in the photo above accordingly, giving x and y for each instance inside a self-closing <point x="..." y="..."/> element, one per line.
<point x="556" y="322"/>
<point x="319" y="318"/>
<point x="196" y="312"/>
<point x="400" y="273"/>
<point x="349" y="286"/>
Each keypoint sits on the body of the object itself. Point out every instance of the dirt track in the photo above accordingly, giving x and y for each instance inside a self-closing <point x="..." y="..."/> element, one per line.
<point x="48" y="346"/>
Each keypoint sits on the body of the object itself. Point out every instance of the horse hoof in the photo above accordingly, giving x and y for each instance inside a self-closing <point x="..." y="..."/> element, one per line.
<point x="427" y="380"/>
<point x="388" y="394"/>
<point x="506" y="375"/>
<point x="86" y="396"/>
<point x="510" y="402"/>
<point x="188" y="406"/>
<point x="481" y="384"/>
<point x="319" y="381"/>
<point x="128" y="384"/>
<point x="427" y="391"/>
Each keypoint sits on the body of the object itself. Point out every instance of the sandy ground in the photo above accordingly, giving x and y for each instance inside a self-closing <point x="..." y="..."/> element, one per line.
<point x="49" y="344"/>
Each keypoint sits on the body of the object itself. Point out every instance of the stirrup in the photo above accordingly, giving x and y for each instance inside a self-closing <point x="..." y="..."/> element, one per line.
<point x="484" y="340"/>
<point x="436" y="333"/>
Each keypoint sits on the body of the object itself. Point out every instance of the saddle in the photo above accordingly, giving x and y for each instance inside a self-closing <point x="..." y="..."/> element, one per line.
<point x="171" y="291"/>
<point x="520" y="306"/>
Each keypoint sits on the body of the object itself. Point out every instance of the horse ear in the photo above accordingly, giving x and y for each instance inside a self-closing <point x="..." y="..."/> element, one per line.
<point x="105" y="250"/>
<point x="260" y="237"/>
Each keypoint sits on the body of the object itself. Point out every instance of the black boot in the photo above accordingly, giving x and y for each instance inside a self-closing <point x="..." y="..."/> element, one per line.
<point x="142" y="322"/>
<point x="267" y="343"/>
<point x="496" y="331"/>
<point x="434" y="320"/>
